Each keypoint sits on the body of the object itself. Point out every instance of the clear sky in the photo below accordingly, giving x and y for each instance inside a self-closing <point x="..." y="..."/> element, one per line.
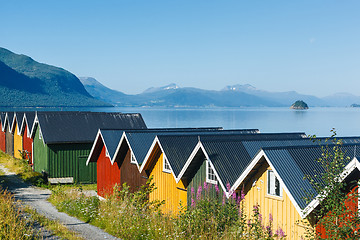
<point x="311" y="46"/>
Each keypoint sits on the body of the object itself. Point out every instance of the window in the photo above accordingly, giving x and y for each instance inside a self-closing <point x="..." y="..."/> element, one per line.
<point x="210" y="174"/>
<point x="166" y="165"/>
<point x="40" y="135"/>
<point x="132" y="159"/>
<point x="274" y="187"/>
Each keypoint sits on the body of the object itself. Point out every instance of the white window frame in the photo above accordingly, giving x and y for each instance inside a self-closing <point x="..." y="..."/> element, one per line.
<point x="271" y="186"/>
<point x="132" y="159"/>
<point x="166" y="165"/>
<point x="210" y="176"/>
<point x="40" y="135"/>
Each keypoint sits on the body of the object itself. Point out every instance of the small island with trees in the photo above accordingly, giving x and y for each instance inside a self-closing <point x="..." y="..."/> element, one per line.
<point x="299" y="105"/>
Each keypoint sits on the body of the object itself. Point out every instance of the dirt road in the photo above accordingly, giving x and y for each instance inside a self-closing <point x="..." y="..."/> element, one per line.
<point x="37" y="199"/>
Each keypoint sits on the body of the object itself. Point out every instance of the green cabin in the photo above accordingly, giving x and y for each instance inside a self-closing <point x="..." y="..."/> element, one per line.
<point x="63" y="140"/>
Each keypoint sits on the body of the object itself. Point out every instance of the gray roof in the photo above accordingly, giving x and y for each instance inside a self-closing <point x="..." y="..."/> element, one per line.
<point x="111" y="140"/>
<point x="2" y="119"/>
<point x="18" y="117"/>
<point x="231" y="157"/>
<point x="178" y="147"/>
<point x="294" y="163"/>
<point x="140" y="141"/>
<point x="81" y="127"/>
<point x="9" y="119"/>
<point x="29" y="118"/>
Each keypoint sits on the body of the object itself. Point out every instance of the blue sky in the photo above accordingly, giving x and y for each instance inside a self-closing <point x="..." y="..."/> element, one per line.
<point x="312" y="46"/>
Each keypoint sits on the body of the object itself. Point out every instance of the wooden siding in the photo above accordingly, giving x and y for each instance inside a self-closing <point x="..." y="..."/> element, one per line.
<point x="69" y="160"/>
<point x="130" y="173"/>
<point x="2" y="140"/>
<point x="27" y="144"/>
<point x="197" y="180"/>
<point x="40" y="153"/>
<point x="282" y="209"/>
<point x="107" y="175"/>
<point x="166" y="187"/>
<point x="9" y="141"/>
<point x="18" y="143"/>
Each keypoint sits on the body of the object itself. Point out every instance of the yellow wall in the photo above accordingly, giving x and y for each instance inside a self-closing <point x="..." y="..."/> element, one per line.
<point x="17" y="143"/>
<point x="166" y="188"/>
<point x="282" y="209"/>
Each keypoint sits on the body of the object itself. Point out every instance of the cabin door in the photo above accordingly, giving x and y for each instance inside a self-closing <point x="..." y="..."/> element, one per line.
<point x="84" y="172"/>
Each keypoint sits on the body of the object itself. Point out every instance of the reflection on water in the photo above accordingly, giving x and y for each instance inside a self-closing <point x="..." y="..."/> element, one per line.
<point x="317" y="121"/>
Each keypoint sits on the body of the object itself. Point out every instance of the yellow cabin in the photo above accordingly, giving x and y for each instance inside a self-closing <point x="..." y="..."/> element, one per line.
<point x="158" y="166"/>
<point x="18" y="138"/>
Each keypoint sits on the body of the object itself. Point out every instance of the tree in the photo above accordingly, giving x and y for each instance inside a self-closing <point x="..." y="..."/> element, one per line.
<point x="335" y="217"/>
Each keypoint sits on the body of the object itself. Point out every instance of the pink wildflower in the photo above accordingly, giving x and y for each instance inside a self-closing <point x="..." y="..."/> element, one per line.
<point x="280" y="233"/>
<point x="242" y="194"/>
<point x="270" y="217"/>
<point x="205" y="186"/>
<point x="269" y="231"/>
<point x="228" y="186"/>
<point x="198" y="194"/>
<point x="217" y="189"/>
<point x="192" y="202"/>
<point x="192" y="191"/>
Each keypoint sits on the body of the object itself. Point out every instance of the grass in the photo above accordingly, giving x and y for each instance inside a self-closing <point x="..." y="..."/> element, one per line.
<point x="13" y="223"/>
<point x="21" y="168"/>
<point x="132" y="216"/>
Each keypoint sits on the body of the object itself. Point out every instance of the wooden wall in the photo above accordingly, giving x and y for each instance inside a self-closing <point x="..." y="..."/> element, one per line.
<point x="27" y="144"/>
<point x="130" y="173"/>
<point x="166" y="188"/>
<point x="2" y="139"/>
<point x="18" y="143"/>
<point x="282" y="209"/>
<point x="9" y="141"/>
<point x="107" y="175"/>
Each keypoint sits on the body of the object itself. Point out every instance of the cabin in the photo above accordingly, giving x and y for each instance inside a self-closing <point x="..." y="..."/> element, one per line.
<point x="165" y="159"/>
<point x="275" y="180"/>
<point x="9" y="137"/>
<point x="2" y="132"/>
<point x="218" y="160"/>
<point x="63" y="140"/>
<point x="15" y="130"/>
<point x="25" y="131"/>
<point x="119" y="154"/>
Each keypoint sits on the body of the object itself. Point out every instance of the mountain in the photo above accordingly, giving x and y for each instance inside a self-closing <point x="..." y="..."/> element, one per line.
<point x="231" y="96"/>
<point x="283" y="98"/>
<point x="27" y="83"/>
<point x="174" y="96"/>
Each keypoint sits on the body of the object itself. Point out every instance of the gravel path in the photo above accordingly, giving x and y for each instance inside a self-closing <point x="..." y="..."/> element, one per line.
<point x="37" y="199"/>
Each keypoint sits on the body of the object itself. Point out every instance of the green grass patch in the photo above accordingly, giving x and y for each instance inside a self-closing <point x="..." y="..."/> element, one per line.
<point x="21" y="168"/>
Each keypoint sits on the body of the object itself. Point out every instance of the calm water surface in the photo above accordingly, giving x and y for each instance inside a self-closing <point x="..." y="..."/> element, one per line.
<point x="317" y="121"/>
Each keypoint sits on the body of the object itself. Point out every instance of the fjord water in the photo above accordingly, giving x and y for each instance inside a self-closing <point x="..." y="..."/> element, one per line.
<point x="318" y="121"/>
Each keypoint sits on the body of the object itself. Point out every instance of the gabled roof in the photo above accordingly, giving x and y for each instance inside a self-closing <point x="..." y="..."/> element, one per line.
<point x="28" y="121"/>
<point x="228" y="154"/>
<point x="107" y="138"/>
<point x="18" y="118"/>
<point x="139" y="141"/>
<point x="2" y="119"/>
<point x="82" y="127"/>
<point x="178" y="146"/>
<point x="292" y="163"/>
<point x="8" y="120"/>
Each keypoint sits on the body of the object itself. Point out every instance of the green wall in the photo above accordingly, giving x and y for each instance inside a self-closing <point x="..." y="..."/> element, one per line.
<point x="40" y="153"/>
<point x="64" y="160"/>
<point x="69" y="160"/>
<point x="197" y="180"/>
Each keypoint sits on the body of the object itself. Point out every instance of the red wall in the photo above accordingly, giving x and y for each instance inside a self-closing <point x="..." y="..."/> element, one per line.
<point x="351" y="203"/>
<point x="107" y="175"/>
<point x="27" y="144"/>
<point x="2" y="140"/>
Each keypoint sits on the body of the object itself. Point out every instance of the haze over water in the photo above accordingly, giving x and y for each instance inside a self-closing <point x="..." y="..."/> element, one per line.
<point x="318" y="121"/>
